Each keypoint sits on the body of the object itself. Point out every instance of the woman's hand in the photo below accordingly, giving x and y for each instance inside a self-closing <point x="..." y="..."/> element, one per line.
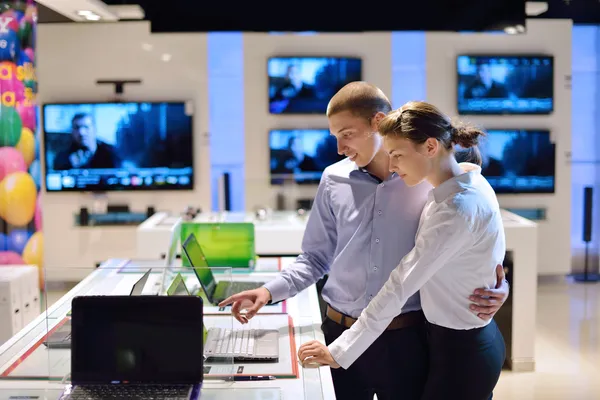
<point x="316" y="352"/>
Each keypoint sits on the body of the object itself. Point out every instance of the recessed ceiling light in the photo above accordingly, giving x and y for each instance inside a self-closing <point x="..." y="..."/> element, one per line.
<point x="520" y="28"/>
<point x="92" y="17"/>
<point x="147" y="46"/>
<point x="166" y="57"/>
<point x="511" y="30"/>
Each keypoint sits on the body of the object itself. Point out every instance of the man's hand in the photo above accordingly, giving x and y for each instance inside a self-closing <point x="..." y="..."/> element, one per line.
<point x="80" y="158"/>
<point x="316" y="352"/>
<point x="250" y="300"/>
<point x="488" y="301"/>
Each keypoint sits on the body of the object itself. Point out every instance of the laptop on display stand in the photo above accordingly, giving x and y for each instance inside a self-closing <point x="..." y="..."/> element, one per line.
<point x="215" y="291"/>
<point x="136" y="347"/>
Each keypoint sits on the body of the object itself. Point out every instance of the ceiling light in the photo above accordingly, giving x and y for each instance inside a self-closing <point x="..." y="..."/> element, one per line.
<point x="147" y="46"/>
<point x="535" y="8"/>
<point x="83" y="13"/>
<point x="511" y="30"/>
<point x="520" y="28"/>
<point x="166" y="57"/>
<point x="92" y="17"/>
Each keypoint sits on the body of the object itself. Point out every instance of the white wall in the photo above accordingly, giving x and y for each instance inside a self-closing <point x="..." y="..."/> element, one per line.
<point x="71" y="58"/>
<point x="543" y="36"/>
<point x="373" y="48"/>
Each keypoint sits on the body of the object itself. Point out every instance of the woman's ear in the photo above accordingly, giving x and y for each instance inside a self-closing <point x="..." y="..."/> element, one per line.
<point x="431" y="146"/>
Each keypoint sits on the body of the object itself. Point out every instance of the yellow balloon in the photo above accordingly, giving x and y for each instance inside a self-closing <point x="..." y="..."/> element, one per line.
<point x="17" y="198"/>
<point x="26" y="145"/>
<point x="33" y="254"/>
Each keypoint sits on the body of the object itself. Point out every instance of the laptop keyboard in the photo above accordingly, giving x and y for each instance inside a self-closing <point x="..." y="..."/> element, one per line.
<point x="131" y="392"/>
<point x="238" y="343"/>
<point x="237" y="287"/>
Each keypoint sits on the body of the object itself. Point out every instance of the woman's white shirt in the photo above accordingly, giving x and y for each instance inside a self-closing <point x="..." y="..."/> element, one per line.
<point x="459" y="242"/>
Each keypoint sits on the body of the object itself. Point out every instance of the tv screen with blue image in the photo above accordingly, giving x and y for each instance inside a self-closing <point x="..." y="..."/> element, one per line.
<point x="505" y="84"/>
<point x="304" y="85"/>
<point x="517" y="161"/>
<point x="118" y="146"/>
<point x="301" y="155"/>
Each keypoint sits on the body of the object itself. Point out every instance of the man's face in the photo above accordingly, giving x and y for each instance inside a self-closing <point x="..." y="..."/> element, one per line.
<point x="356" y="137"/>
<point x="485" y="74"/>
<point x="83" y="132"/>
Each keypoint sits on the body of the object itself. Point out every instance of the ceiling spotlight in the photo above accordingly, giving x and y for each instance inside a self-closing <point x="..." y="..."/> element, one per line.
<point x="147" y="46"/>
<point x="92" y="17"/>
<point x="520" y="28"/>
<point x="511" y="30"/>
<point x="166" y="57"/>
<point x="83" y="13"/>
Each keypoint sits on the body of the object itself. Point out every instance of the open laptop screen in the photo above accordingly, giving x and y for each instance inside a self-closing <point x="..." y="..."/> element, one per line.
<point x="141" y="339"/>
<point x="197" y="260"/>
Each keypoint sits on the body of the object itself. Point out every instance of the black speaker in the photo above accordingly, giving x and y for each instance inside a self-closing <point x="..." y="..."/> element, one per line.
<point x="84" y="216"/>
<point x="227" y="191"/>
<point x="150" y="211"/>
<point x="588" y="194"/>
<point x="588" y="216"/>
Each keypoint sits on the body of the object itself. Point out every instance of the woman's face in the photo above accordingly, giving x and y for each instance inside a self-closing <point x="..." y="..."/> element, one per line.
<point x="410" y="161"/>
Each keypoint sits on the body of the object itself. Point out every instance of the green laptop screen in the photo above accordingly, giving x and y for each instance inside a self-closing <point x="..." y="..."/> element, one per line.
<point x="195" y="256"/>
<point x="227" y="244"/>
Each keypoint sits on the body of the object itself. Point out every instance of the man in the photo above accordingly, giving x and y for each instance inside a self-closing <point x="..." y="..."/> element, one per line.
<point x="86" y="151"/>
<point x="362" y="223"/>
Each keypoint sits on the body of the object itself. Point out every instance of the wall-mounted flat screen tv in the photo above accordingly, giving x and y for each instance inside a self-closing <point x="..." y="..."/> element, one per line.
<point x="118" y="146"/>
<point x="304" y="85"/>
<point x="517" y="161"/>
<point x="301" y="155"/>
<point x="517" y="84"/>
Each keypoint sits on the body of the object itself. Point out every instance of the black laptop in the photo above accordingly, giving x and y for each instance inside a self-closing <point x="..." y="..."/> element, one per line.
<point x="215" y="291"/>
<point x="136" y="347"/>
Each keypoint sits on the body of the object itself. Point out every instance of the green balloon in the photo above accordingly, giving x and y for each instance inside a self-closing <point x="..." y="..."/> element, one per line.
<point x="10" y="126"/>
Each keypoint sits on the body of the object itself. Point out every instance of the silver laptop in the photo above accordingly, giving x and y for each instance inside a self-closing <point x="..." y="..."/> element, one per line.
<point x="138" y="287"/>
<point x="244" y="344"/>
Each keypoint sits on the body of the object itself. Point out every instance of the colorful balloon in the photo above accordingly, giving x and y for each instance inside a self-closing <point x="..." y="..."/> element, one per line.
<point x="9" y="44"/>
<point x="11" y="160"/>
<point x="37" y="218"/>
<point x="30" y="53"/>
<point x="26" y="145"/>
<point x="17" y="239"/>
<point x="34" y="250"/>
<point x="12" y="90"/>
<point x="10" y="126"/>
<point x="9" y="20"/>
<point x="3" y="242"/>
<point x="27" y="114"/>
<point x="10" y="258"/>
<point x="18" y="195"/>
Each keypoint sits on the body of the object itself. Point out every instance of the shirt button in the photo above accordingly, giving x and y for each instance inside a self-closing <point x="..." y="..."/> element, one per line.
<point x="375" y="268"/>
<point x="376" y="240"/>
<point x="370" y="296"/>
<point x="383" y="185"/>
<point x="379" y="212"/>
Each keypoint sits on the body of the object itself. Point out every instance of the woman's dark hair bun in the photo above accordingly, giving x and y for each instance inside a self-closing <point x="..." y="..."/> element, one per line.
<point x="465" y="135"/>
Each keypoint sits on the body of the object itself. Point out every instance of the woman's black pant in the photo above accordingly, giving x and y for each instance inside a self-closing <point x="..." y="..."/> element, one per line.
<point x="464" y="364"/>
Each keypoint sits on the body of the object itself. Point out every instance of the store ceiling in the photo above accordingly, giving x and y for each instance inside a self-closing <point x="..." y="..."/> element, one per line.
<point x="310" y="15"/>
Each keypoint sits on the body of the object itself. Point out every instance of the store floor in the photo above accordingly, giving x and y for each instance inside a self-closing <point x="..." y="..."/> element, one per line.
<point x="567" y="345"/>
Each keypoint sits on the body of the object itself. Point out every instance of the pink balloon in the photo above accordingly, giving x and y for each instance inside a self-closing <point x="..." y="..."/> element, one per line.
<point x="10" y="86"/>
<point x="30" y="54"/>
<point x="27" y="113"/>
<point x="37" y="218"/>
<point x="11" y="160"/>
<point x="10" y="258"/>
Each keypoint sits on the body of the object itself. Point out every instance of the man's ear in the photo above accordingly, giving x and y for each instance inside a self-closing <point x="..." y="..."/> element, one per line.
<point x="376" y="120"/>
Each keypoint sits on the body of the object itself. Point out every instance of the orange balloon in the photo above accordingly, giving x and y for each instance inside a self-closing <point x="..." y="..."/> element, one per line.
<point x="26" y="145"/>
<point x="17" y="198"/>
<point x="33" y="253"/>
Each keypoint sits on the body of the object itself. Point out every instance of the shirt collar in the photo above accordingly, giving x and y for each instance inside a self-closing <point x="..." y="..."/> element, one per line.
<point x="456" y="184"/>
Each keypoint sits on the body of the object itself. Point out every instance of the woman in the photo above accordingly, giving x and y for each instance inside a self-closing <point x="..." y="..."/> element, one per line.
<point x="459" y="242"/>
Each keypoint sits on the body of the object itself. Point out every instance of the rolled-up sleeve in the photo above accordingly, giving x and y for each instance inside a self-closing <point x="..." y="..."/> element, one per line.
<point x="441" y="236"/>
<point x="318" y="248"/>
